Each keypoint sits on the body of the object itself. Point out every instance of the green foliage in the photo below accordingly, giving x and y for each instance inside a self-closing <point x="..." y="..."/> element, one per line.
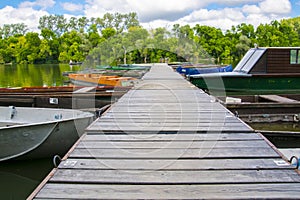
<point x="118" y="38"/>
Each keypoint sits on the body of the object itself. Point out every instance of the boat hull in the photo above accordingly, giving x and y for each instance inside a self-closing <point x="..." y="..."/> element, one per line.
<point x="204" y="70"/>
<point x="101" y="80"/>
<point x="41" y="140"/>
<point x="255" y="84"/>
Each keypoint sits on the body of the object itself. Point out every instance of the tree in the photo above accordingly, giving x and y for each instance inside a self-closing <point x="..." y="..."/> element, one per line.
<point x="9" y="30"/>
<point x="210" y="39"/>
<point x="243" y="46"/>
<point x="55" y="23"/>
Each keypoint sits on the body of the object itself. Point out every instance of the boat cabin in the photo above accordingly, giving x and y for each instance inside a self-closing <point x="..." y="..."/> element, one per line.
<point x="271" y="60"/>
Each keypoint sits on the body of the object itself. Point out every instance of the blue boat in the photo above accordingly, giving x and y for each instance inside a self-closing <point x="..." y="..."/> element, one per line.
<point x="203" y="70"/>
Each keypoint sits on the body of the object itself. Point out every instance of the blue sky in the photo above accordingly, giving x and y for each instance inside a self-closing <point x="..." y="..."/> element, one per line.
<point x="219" y="13"/>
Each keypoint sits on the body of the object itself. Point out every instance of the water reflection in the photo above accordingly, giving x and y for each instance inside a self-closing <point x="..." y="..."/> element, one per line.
<point x="294" y="127"/>
<point x="34" y="75"/>
<point x="19" y="178"/>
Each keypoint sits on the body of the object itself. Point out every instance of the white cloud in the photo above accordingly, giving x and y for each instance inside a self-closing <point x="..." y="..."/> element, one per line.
<point x="97" y="8"/>
<point x="26" y="15"/>
<point x="223" y="19"/>
<point x="279" y="7"/>
<point x="38" y="3"/>
<point x="254" y="14"/>
<point x="72" y="7"/>
<point x="192" y="11"/>
<point x="148" y="10"/>
<point x="251" y="9"/>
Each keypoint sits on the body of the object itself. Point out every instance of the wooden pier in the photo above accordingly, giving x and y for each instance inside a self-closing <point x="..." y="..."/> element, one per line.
<point x="166" y="139"/>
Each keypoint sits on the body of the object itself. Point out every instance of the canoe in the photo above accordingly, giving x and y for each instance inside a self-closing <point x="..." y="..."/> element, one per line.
<point x="203" y="70"/>
<point x="30" y="133"/>
<point x="101" y="80"/>
<point x="261" y="71"/>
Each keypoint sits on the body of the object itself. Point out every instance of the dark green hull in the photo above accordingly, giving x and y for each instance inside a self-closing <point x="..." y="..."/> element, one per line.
<point x="256" y="84"/>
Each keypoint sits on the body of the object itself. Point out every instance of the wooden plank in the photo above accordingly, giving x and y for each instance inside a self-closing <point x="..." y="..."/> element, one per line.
<point x="214" y="191"/>
<point x="180" y="97"/>
<point x="171" y="144"/>
<point x="164" y="85"/>
<point x="230" y="127"/>
<point x="175" y="113"/>
<point x="165" y="153"/>
<point x="174" y="93"/>
<point x="169" y="115"/>
<point x="277" y="98"/>
<point x="160" y="107"/>
<point x="168" y="130"/>
<point x="172" y="137"/>
<point x="168" y="120"/>
<point x="131" y="123"/>
<point x="177" y="164"/>
<point x="174" y="177"/>
<point x="168" y="104"/>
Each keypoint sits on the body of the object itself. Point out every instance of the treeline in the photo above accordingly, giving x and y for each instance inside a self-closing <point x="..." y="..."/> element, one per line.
<point x="119" y="38"/>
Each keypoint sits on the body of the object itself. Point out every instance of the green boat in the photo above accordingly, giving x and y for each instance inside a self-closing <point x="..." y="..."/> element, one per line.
<point x="261" y="71"/>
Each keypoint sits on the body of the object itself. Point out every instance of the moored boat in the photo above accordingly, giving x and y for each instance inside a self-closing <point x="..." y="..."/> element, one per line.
<point x="77" y="97"/>
<point x="29" y="133"/>
<point x="261" y="71"/>
<point x="203" y="69"/>
<point x="100" y="80"/>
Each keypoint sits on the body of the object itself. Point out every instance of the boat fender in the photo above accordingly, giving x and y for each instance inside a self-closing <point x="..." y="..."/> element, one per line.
<point x="13" y="111"/>
<point x="236" y="113"/>
<point x="296" y="164"/>
<point x="296" y="118"/>
<point x="56" y="160"/>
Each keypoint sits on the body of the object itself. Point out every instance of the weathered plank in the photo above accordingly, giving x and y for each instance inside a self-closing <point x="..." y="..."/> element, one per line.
<point x="174" y="177"/>
<point x="194" y="191"/>
<point x="177" y="164"/>
<point x="177" y="128"/>
<point x="172" y="144"/>
<point x="169" y="120"/>
<point x="183" y="136"/>
<point x="166" y="123"/>
<point x="279" y="99"/>
<point x="167" y="93"/>
<point x="165" y="153"/>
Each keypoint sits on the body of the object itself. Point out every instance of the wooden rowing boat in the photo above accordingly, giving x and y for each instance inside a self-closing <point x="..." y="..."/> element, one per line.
<point x="100" y="80"/>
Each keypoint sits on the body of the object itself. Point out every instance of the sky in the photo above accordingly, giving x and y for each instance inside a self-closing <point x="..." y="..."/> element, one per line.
<point x="155" y="13"/>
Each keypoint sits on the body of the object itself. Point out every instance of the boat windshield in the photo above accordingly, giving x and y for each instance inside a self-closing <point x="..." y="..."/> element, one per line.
<point x="249" y="60"/>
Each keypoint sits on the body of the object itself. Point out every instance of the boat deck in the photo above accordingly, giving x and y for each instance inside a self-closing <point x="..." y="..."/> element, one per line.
<point x="166" y="139"/>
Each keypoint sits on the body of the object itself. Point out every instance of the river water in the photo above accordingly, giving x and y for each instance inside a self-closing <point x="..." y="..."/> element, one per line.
<point x="34" y="75"/>
<point x="18" y="179"/>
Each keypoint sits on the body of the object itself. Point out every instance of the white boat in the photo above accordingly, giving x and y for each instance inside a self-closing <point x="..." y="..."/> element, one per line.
<point x="29" y="133"/>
